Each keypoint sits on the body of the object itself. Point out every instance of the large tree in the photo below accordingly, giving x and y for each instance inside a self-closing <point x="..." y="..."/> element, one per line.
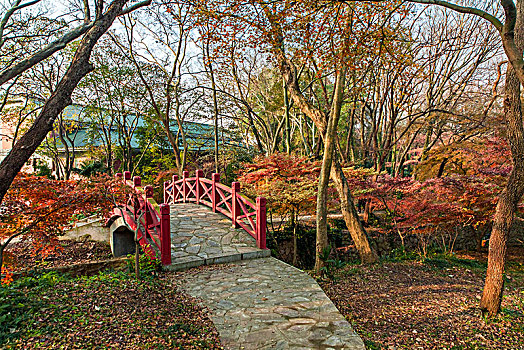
<point x="93" y="28"/>
<point x="300" y="38"/>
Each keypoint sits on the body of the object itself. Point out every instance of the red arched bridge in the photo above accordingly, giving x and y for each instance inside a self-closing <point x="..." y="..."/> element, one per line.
<point x="201" y="221"/>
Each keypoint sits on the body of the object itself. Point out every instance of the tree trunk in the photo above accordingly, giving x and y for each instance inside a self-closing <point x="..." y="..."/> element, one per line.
<point x="215" y="110"/>
<point x="109" y="160"/>
<point x="60" y="99"/>
<point x="512" y="193"/>
<point x="356" y="230"/>
<point x="295" y="247"/>
<point x="288" y="122"/>
<point x="318" y="146"/>
<point x="347" y="206"/>
<point x="508" y="200"/>
<point x="367" y="211"/>
<point x="254" y="129"/>
<point x="442" y="167"/>
<point x="294" y="224"/>
<point x="350" y="147"/>
<point x="327" y="160"/>
<point x="303" y="135"/>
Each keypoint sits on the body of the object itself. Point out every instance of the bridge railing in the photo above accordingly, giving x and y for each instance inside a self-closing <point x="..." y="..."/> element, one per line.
<point x="150" y="220"/>
<point x="221" y="198"/>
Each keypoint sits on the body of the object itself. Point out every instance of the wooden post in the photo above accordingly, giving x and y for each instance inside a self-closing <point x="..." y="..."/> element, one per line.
<point x="119" y="176"/>
<point x="261" y="222"/>
<point x="184" y="187"/>
<point x="175" y="190"/>
<point x="198" y="187"/>
<point x="165" y="235"/>
<point x="137" y="181"/>
<point x="235" y="207"/>
<point x="127" y="175"/>
<point x="166" y="194"/>
<point x="215" y="178"/>
<point x="148" y="191"/>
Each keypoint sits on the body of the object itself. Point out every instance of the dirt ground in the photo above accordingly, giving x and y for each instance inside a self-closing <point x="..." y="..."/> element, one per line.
<point x="22" y="256"/>
<point x="430" y="305"/>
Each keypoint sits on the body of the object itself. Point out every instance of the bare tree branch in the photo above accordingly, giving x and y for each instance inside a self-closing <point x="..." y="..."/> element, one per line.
<point x="134" y="7"/>
<point x="44" y="53"/>
<point x="16" y="6"/>
<point x="466" y="9"/>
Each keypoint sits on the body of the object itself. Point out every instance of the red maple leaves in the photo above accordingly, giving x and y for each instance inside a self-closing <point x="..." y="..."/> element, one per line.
<point x="38" y="209"/>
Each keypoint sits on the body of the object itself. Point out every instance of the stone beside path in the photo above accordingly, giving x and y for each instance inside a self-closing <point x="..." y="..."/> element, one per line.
<point x="201" y="237"/>
<point x="268" y="304"/>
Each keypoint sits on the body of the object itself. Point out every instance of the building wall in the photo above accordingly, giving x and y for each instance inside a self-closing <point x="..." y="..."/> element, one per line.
<point x="6" y="134"/>
<point x="6" y="144"/>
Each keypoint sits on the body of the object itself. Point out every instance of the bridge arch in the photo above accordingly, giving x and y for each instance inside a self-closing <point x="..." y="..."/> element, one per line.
<point x="222" y="199"/>
<point x="151" y="222"/>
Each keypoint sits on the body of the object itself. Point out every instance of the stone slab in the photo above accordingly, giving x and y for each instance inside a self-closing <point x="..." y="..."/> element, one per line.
<point x="268" y="304"/>
<point x="207" y="237"/>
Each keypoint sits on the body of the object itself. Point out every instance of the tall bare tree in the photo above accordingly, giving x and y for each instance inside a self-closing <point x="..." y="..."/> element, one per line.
<point x="162" y="68"/>
<point x="79" y="67"/>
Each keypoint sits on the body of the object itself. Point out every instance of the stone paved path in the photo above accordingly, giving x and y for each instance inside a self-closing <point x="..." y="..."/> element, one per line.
<point x="268" y="304"/>
<point x="201" y="237"/>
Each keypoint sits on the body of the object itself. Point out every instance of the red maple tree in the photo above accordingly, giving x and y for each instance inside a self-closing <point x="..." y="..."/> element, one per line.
<point x="37" y="209"/>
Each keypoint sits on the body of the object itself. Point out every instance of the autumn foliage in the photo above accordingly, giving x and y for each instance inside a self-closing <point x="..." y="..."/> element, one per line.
<point x="435" y="207"/>
<point x="489" y="158"/>
<point x="288" y="182"/>
<point x="465" y="195"/>
<point x="38" y="209"/>
<point x="432" y="207"/>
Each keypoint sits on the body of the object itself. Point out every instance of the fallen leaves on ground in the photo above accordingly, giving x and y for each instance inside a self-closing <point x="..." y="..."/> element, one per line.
<point x="113" y="310"/>
<point x="69" y="252"/>
<point x="413" y="305"/>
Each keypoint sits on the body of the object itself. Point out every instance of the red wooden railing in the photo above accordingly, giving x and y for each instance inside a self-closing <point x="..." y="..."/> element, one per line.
<point x="226" y="200"/>
<point x="153" y="221"/>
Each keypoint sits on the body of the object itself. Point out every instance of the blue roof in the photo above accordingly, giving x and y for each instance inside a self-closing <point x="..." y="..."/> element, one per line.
<point x="199" y="136"/>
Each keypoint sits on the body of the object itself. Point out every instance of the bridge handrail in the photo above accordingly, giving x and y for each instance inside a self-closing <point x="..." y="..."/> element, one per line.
<point x="221" y="198"/>
<point x="153" y="220"/>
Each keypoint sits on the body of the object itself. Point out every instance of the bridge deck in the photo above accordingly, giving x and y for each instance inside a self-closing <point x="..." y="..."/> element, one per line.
<point x="268" y="304"/>
<point x="201" y="237"/>
<point x="255" y="304"/>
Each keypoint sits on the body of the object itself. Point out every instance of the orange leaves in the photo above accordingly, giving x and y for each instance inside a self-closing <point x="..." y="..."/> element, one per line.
<point x="423" y="207"/>
<point x="288" y="182"/>
<point x="330" y="33"/>
<point x="38" y="209"/>
<point x="488" y="157"/>
<point x="8" y="275"/>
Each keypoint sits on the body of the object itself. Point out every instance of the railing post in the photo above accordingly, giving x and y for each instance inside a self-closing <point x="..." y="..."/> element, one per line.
<point x="165" y="235"/>
<point x="198" y="187"/>
<point x="166" y="195"/>
<point x="175" y="190"/>
<point x="118" y="176"/>
<point x="184" y="187"/>
<point x="235" y="207"/>
<point x="127" y="175"/>
<point x="261" y="222"/>
<point x="148" y="191"/>
<point x="215" y="178"/>
<point x="137" y="182"/>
